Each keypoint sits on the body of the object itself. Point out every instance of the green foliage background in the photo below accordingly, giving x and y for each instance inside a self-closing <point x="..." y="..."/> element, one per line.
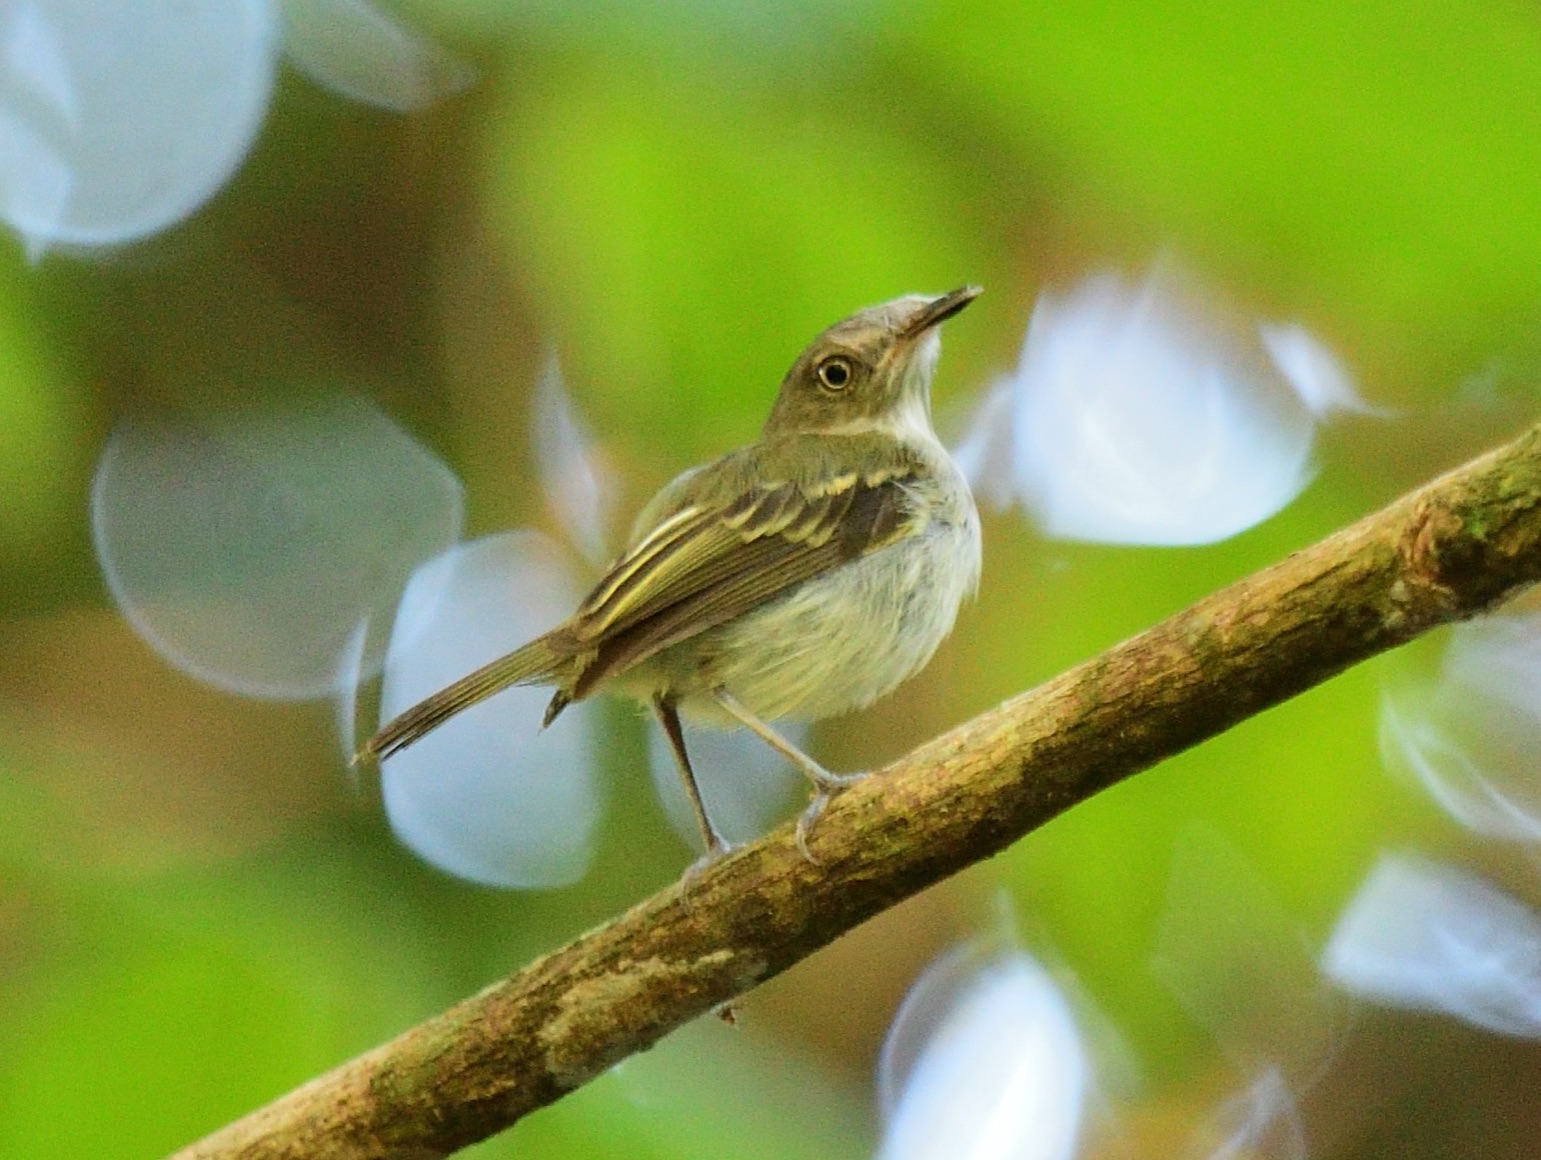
<point x="196" y="913"/>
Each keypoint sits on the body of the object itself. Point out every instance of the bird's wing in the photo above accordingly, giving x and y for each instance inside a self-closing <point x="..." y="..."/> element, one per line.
<point x="718" y="546"/>
<point x="721" y="556"/>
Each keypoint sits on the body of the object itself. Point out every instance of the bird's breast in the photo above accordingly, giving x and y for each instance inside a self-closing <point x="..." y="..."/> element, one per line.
<point x="844" y="639"/>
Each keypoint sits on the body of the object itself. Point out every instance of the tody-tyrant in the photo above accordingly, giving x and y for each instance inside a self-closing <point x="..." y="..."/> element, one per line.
<point x="805" y="575"/>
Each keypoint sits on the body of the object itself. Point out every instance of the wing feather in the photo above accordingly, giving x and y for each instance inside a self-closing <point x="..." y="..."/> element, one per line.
<point x="718" y="546"/>
<point x="719" y="572"/>
<point x="635" y="562"/>
<point x="673" y="574"/>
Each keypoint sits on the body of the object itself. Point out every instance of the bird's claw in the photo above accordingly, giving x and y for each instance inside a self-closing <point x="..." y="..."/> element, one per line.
<point x="825" y="788"/>
<point x="716" y="851"/>
<point x="805" y="824"/>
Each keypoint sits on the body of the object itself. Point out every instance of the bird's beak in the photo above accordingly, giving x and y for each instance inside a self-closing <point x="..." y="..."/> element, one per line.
<point x="939" y="310"/>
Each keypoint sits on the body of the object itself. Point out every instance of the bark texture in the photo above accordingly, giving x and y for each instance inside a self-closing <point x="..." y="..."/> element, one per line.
<point x="1447" y="551"/>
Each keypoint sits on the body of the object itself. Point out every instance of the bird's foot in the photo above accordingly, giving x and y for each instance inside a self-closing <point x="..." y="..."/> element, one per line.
<point x="826" y="786"/>
<point x="717" y="849"/>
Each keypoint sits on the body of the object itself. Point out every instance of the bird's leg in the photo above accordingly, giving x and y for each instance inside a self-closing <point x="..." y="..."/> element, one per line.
<point x="716" y="844"/>
<point x="825" y="784"/>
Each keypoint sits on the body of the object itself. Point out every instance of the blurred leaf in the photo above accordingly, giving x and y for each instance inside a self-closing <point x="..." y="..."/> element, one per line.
<point x="182" y="1004"/>
<point x="41" y="425"/>
<point x="705" y="1092"/>
<point x="250" y="548"/>
<point x="749" y="26"/>
<point x="1368" y="163"/>
<point x="119" y="120"/>
<point x="683" y="244"/>
<point x="359" y="51"/>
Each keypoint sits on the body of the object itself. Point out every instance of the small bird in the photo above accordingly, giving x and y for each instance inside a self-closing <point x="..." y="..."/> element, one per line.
<point x="805" y="575"/>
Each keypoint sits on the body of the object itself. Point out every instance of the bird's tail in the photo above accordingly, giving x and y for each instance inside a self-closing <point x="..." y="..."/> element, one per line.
<point x="534" y="663"/>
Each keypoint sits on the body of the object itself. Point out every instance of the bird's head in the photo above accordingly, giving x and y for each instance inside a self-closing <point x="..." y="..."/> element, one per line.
<point x="870" y="371"/>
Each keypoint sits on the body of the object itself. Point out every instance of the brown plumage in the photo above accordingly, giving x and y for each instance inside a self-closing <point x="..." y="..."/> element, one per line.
<point x="740" y="595"/>
<point x="699" y="569"/>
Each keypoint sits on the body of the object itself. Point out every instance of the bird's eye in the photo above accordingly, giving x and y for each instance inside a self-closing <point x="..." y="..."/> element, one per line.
<point x="835" y="373"/>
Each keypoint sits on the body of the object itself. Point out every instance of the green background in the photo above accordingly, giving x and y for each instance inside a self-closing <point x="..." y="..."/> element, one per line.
<point x="196" y="913"/>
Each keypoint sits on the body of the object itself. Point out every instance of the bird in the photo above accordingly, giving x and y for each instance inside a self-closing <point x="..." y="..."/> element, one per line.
<point x="803" y="576"/>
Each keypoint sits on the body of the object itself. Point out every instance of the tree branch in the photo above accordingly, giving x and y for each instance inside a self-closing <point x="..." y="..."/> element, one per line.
<point x="1444" y="552"/>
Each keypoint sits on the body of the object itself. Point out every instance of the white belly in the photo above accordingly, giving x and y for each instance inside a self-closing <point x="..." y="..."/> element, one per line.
<point x="841" y="641"/>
